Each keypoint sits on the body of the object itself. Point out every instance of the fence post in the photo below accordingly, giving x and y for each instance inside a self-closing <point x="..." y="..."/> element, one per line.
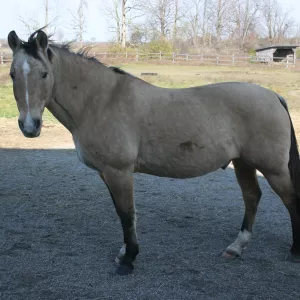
<point x="173" y="57"/>
<point x="202" y="57"/>
<point x="187" y="56"/>
<point x="233" y="59"/>
<point x="159" y="55"/>
<point x="1" y="59"/>
<point x="137" y="57"/>
<point x="126" y="55"/>
<point x="287" y="62"/>
<point x="217" y="59"/>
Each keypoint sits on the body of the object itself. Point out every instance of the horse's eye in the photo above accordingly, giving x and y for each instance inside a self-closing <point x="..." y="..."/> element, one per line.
<point x="45" y="74"/>
<point x="12" y="76"/>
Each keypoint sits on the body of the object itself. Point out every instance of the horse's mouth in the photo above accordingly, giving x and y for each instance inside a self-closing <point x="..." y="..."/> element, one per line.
<point x="32" y="134"/>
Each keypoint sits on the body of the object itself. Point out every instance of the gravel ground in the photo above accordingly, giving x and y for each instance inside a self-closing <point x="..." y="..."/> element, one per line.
<point x="59" y="235"/>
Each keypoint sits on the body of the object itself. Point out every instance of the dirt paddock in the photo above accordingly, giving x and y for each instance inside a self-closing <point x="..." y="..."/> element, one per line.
<point x="59" y="232"/>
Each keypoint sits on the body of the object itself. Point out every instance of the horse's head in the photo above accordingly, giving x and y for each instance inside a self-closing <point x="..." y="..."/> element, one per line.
<point x="32" y="77"/>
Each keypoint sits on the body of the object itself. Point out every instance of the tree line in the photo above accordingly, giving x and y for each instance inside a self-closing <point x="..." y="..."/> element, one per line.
<point x="190" y="25"/>
<point x="202" y="24"/>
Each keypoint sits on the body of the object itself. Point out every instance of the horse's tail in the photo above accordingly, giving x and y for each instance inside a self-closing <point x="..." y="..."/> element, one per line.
<point x="294" y="161"/>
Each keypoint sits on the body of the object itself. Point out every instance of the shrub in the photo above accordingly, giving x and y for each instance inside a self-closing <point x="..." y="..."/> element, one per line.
<point x="158" y="46"/>
<point x="117" y="48"/>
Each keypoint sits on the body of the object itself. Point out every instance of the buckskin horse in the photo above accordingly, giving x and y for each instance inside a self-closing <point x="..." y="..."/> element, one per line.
<point x="121" y="124"/>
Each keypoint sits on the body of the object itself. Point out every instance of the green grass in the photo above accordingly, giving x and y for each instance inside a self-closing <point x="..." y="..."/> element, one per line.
<point x="8" y="106"/>
<point x="282" y="81"/>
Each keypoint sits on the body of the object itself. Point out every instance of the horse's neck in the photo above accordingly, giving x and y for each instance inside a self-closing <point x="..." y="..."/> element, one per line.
<point x="78" y="81"/>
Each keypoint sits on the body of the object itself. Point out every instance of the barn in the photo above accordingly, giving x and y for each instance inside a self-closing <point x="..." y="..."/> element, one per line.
<point x="276" y="53"/>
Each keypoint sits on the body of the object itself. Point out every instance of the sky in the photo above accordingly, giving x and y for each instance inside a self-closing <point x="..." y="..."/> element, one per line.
<point x="97" y="27"/>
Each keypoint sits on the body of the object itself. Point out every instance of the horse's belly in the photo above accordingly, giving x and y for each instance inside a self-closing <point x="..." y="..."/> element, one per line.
<point x="182" y="165"/>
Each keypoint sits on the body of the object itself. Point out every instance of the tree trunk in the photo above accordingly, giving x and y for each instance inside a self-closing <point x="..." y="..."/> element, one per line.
<point x="46" y="17"/>
<point x="219" y="22"/>
<point x="204" y="22"/>
<point x="124" y="25"/>
<point x="175" y="22"/>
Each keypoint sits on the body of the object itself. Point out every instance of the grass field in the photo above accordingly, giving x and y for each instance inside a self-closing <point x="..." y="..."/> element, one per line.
<point x="284" y="82"/>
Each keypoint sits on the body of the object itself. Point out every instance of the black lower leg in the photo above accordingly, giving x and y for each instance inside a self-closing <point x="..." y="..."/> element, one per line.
<point x="251" y="203"/>
<point x="125" y="265"/>
<point x="295" y="220"/>
<point x="130" y="240"/>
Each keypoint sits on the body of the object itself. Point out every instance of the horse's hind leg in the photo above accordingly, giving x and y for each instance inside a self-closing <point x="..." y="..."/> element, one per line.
<point x="247" y="179"/>
<point x="120" y="185"/>
<point x="282" y="185"/>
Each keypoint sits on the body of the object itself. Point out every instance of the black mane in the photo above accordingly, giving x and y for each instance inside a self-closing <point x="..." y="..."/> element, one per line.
<point x="31" y="49"/>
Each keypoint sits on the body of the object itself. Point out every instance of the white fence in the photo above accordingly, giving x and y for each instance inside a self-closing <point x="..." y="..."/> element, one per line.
<point x="186" y="59"/>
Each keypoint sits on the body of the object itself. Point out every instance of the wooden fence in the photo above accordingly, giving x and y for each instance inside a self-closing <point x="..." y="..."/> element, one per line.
<point x="197" y="59"/>
<point x="185" y="59"/>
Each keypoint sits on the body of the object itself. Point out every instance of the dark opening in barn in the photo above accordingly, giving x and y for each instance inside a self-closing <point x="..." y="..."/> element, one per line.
<point x="281" y="54"/>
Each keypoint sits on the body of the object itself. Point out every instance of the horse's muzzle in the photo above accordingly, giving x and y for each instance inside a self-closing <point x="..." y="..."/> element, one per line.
<point x="32" y="129"/>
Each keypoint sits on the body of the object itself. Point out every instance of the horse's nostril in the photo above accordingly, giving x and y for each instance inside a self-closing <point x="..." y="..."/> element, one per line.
<point x="21" y="124"/>
<point x="37" y="123"/>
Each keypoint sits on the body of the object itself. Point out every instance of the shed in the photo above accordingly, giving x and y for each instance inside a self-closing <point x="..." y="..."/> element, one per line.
<point x="276" y="53"/>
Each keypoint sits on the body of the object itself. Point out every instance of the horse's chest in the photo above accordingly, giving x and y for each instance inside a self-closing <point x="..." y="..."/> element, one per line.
<point x="84" y="156"/>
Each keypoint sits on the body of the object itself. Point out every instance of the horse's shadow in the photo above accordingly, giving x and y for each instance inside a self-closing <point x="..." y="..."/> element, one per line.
<point x="58" y="224"/>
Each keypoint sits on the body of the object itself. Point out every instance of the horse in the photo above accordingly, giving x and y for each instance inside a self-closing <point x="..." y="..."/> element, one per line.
<point x="121" y="125"/>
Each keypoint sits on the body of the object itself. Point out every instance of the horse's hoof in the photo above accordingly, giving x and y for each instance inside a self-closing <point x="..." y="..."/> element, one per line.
<point x="230" y="255"/>
<point x="124" y="269"/>
<point x="293" y="258"/>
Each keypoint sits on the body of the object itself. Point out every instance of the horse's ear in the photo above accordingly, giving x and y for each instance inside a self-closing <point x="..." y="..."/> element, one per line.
<point x="42" y="41"/>
<point x="13" y="41"/>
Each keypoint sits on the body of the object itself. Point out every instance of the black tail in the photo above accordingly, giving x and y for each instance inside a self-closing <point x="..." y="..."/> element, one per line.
<point x="294" y="162"/>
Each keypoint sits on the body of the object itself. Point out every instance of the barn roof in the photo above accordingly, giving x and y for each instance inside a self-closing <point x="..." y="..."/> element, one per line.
<point x="278" y="47"/>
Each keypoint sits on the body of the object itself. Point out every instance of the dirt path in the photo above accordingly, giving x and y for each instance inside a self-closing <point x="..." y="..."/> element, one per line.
<point x="59" y="232"/>
<point x="54" y="136"/>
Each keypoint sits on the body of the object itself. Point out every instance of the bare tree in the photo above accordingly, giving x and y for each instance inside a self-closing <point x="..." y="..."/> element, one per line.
<point x="177" y="17"/>
<point x="30" y="24"/>
<point x="124" y="24"/>
<point x="160" y="15"/>
<point x="79" y="21"/>
<point x="276" y="22"/>
<point x="120" y="15"/>
<point x="131" y="10"/>
<point x="112" y="16"/>
<point x="139" y="34"/>
<point x="194" y="20"/>
<point x="221" y="20"/>
<point x="244" y="14"/>
<point x="204" y="21"/>
<point x="46" y="14"/>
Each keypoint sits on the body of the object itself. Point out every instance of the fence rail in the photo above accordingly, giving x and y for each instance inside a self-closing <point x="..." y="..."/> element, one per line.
<point x="188" y="59"/>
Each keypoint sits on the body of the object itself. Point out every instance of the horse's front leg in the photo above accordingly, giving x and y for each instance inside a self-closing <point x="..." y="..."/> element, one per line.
<point x="120" y="185"/>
